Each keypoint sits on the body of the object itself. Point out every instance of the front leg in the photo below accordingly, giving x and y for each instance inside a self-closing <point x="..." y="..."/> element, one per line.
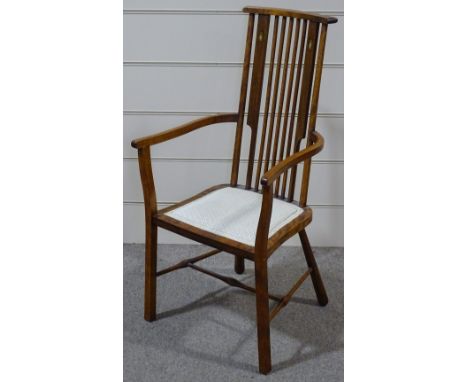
<point x="261" y="282"/>
<point x="151" y="239"/>
<point x="263" y="314"/>
<point x="150" y="272"/>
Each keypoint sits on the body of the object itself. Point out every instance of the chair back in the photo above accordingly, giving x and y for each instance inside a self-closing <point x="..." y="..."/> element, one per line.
<point x="287" y="48"/>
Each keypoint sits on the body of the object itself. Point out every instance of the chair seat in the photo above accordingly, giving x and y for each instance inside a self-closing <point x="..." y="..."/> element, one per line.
<point x="233" y="213"/>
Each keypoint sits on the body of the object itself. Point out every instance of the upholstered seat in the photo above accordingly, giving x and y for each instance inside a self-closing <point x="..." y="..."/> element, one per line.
<point x="234" y="213"/>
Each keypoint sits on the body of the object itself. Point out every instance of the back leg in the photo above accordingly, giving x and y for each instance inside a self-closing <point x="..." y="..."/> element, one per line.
<point x="315" y="274"/>
<point x="239" y="265"/>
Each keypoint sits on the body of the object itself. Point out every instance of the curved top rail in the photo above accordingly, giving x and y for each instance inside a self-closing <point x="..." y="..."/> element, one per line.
<point x="291" y="13"/>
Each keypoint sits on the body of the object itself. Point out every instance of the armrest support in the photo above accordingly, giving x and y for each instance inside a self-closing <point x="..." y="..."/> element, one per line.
<point x="183" y="129"/>
<point x="144" y="157"/>
<point x="271" y="175"/>
<point x="263" y="227"/>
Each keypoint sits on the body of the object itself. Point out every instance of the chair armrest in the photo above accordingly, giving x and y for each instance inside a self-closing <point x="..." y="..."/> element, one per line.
<point x="263" y="227"/>
<point x="271" y="175"/>
<point x="183" y="129"/>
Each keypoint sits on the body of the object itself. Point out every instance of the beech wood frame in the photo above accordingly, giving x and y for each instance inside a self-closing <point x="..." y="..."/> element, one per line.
<point x="274" y="180"/>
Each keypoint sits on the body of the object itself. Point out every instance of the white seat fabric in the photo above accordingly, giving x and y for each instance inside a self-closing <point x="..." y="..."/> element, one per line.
<point x="233" y="213"/>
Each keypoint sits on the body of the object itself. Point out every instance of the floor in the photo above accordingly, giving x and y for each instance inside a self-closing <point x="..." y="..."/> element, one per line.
<point x="206" y="329"/>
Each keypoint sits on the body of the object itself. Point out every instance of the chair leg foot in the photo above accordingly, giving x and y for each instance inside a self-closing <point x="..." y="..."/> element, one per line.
<point x="150" y="274"/>
<point x="263" y="316"/>
<point x="315" y="274"/>
<point x="239" y="265"/>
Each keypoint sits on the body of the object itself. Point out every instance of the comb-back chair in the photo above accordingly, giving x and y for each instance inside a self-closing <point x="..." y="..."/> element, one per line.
<point x="252" y="220"/>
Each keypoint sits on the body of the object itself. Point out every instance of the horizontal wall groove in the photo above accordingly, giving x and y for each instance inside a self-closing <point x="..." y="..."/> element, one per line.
<point x="208" y="12"/>
<point x="166" y="203"/>
<point x="209" y="64"/>
<point x="224" y="160"/>
<point x="204" y="113"/>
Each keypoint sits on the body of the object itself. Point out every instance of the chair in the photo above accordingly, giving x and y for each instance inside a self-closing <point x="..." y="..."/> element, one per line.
<point x="253" y="219"/>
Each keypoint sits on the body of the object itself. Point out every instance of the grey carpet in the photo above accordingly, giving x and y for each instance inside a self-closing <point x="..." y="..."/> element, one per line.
<point x="206" y="330"/>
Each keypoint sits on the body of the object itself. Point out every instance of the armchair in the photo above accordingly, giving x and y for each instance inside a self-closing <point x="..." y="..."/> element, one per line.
<point x="251" y="220"/>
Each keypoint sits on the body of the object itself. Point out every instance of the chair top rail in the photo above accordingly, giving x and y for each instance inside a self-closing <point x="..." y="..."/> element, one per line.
<point x="291" y="13"/>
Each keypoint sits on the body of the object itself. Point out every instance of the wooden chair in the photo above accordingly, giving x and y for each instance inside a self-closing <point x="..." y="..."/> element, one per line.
<point x="252" y="220"/>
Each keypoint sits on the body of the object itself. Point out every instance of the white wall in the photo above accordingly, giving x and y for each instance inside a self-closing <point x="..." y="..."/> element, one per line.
<point x="183" y="60"/>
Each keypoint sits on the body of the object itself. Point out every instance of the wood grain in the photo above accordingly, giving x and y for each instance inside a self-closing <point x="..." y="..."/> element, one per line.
<point x="256" y="85"/>
<point x="149" y="194"/>
<point x="267" y="105"/>
<point x="183" y="129"/>
<point x="242" y="100"/>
